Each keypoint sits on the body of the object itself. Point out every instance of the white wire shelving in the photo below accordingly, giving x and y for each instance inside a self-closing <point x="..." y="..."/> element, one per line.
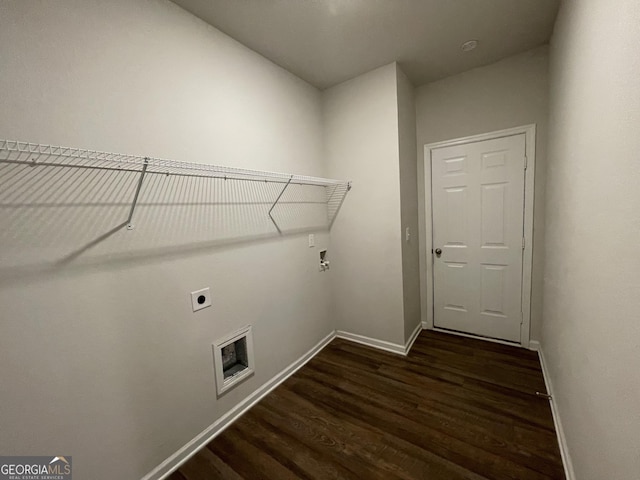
<point x="41" y="155"/>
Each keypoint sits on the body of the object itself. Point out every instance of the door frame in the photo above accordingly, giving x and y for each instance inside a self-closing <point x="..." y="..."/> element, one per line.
<point x="427" y="299"/>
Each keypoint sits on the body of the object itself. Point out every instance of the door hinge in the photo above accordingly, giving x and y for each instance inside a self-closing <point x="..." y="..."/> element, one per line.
<point x="523" y="242"/>
<point x="526" y="161"/>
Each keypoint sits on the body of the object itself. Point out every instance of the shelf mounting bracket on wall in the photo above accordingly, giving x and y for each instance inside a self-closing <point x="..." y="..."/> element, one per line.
<point x="341" y="199"/>
<point x="130" y="225"/>
<point x="276" y="202"/>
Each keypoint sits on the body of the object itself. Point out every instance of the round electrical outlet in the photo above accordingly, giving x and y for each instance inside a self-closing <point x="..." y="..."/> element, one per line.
<point x="200" y="299"/>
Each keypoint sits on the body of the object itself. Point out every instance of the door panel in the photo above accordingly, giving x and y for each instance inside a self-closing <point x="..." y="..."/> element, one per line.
<point x="492" y="288"/>
<point x="478" y="202"/>
<point x="455" y="297"/>
<point x="456" y="216"/>
<point x="492" y="209"/>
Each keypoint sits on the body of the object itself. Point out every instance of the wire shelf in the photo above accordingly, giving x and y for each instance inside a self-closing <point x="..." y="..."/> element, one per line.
<point x="73" y="181"/>
<point x="13" y="151"/>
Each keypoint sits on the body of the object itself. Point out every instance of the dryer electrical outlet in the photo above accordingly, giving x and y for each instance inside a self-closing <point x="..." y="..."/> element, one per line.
<point x="201" y="299"/>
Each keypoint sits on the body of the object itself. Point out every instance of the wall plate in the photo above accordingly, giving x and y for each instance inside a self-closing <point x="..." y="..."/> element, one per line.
<point x="201" y="299"/>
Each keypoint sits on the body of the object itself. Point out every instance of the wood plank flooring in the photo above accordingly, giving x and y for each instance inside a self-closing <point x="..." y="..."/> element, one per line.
<point x="455" y="408"/>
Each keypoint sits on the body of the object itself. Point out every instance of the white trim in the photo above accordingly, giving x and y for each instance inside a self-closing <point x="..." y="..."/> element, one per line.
<point x="477" y="337"/>
<point x="527" y="256"/>
<point x="534" y="345"/>
<point x="412" y="338"/>
<point x="382" y="344"/>
<point x="426" y="263"/>
<point x="562" y="440"/>
<point x="372" y="342"/>
<point x="507" y="132"/>
<point x="529" y="132"/>
<point x="172" y="463"/>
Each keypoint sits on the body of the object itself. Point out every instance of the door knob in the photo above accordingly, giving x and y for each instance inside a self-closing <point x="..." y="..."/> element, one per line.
<point x="438" y="251"/>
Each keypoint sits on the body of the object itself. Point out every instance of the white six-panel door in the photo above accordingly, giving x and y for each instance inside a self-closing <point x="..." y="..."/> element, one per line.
<point x="478" y="220"/>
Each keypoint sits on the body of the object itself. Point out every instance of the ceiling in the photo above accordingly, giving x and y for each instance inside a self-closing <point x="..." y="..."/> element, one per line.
<point x="326" y="42"/>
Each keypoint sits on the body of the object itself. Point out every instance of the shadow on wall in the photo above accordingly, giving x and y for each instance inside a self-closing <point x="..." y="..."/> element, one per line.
<point x="57" y="218"/>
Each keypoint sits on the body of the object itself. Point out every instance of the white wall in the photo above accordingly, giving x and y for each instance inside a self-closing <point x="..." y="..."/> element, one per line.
<point x="509" y="93"/>
<point x="361" y="142"/>
<point x="591" y="332"/>
<point x="102" y="358"/>
<point x="408" y="203"/>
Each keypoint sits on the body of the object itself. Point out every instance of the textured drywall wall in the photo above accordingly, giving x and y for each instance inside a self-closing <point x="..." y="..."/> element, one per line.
<point x="509" y="93"/>
<point x="102" y="358"/>
<point x="361" y="143"/>
<point x="591" y="332"/>
<point x="408" y="203"/>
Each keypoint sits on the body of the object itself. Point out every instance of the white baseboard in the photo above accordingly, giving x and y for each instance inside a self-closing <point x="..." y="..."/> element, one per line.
<point x="172" y="463"/>
<point x="382" y="344"/>
<point x="562" y="440"/>
<point x="476" y="337"/>
<point x="372" y="342"/>
<point x="412" y="338"/>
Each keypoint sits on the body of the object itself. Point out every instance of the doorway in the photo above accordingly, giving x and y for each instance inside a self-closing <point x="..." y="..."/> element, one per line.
<point x="480" y="213"/>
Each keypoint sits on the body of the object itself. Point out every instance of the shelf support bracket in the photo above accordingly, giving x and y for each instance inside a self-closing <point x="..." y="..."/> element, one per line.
<point x="276" y="202"/>
<point x="335" y="214"/>
<point x="130" y="225"/>
<point x="333" y="192"/>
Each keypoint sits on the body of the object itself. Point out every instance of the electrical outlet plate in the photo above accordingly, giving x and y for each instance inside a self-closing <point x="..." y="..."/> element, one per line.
<point x="312" y="240"/>
<point x="201" y="299"/>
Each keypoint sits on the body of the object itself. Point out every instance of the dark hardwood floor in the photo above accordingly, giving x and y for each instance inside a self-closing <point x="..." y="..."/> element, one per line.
<point x="455" y="408"/>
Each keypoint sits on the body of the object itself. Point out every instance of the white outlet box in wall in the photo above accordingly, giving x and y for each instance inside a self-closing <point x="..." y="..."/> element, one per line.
<point x="201" y="299"/>
<point x="312" y="240"/>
